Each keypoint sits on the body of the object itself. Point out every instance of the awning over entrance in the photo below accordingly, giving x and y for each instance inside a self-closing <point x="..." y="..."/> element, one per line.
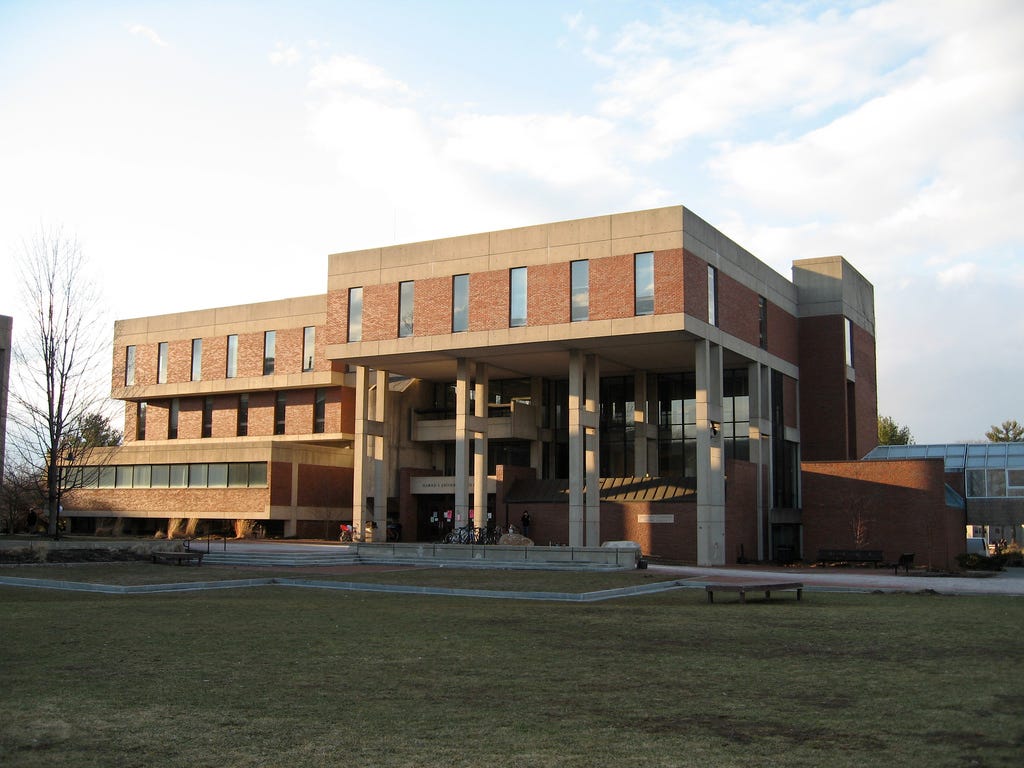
<point x="620" y="489"/>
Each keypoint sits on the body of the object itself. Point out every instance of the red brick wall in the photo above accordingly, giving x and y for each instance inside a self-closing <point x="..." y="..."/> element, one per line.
<point x="740" y="511"/>
<point x="783" y="334"/>
<point x="738" y="310"/>
<point x="695" y="286"/>
<point x="380" y="312"/>
<point x="179" y="361"/>
<point x="900" y="506"/>
<point x="612" y="289"/>
<point x="823" y="381"/>
<point x="668" y="279"/>
<point x="157" y="417"/>
<point x="865" y="391"/>
<point x="215" y="358"/>
<point x="281" y="483"/>
<point x="261" y="413"/>
<point x="548" y="294"/>
<point x="337" y="318"/>
<point x="433" y="308"/>
<point x="321" y="486"/>
<point x="488" y="300"/>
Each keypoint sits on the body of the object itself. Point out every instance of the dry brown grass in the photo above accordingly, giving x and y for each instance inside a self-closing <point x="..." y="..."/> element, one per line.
<point x="280" y="676"/>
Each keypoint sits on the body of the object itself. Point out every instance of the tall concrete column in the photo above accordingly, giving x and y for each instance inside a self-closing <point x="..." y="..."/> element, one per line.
<point x="367" y="472"/>
<point x="480" y="447"/>
<point x="710" y="455"/>
<point x="537" y="444"/>
<point x="577" y="474"/>
<point x="378" y="532"/>
<point x="462" y="437"/>
<point x="593" y="447"/>
<point x="584" y="451"/>
<point x="645" y="424"/>
<point x="758" y="387"/>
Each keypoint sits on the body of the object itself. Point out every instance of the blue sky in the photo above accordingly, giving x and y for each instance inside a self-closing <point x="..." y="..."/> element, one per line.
<point x="214" y="153"/>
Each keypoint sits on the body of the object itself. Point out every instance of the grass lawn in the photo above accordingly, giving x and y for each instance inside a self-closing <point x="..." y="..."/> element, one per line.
<point x="277" y="676"/>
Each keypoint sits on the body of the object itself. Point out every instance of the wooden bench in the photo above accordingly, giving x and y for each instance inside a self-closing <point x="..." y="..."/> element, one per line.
<point x="779" y="586"/>
<point x="906" y="560"/>
<point x="178" y="558"/>
<point x="873" y="556"/>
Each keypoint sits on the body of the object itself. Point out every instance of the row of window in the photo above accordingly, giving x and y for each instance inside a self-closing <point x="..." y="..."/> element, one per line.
<point x="995" y="483"/>
<point x="246" y="474"/>
<point x="241" y="417"/>
<point x="231" y="365"/>
<point x="579" y="299"/>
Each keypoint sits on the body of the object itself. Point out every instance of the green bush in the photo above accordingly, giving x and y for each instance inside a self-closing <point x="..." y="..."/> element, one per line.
<point x="975" y="562"/>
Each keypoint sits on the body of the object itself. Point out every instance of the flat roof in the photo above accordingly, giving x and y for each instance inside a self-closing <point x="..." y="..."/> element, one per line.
<point x="957" y="456"/>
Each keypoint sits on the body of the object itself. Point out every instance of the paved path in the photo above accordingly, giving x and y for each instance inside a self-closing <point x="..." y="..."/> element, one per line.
<point x="1008" y="582"/>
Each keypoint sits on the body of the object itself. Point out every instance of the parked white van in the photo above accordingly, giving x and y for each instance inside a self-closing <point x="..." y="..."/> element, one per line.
<point x="976" y="545"/>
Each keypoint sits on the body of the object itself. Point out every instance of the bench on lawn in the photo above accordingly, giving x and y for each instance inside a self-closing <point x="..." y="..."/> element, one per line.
<point x="906" y="560"/>
<point x="873" y="556"/>
<point x="178" y="558"/>
<point x="778" y="586"/>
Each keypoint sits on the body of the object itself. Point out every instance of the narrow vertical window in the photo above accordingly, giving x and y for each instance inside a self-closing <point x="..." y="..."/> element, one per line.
<point x="406" y="304"/>
<point x="643" y="283"/>
<point x="242" y="424"/>
<point x="712" y="295"/>
<point x="517" y="297"/>
<point x="460" y="303"/>
<point x="232" y="366"/>
<point x="269" y="351"/>
<point x="580" y="288"/>
<point x="319" y="410"/>
<point x="207" y="417"/>
<point x="848" y="336"/>
<point x="161" y="363"/>
<point x="355" y="314"/>
<point x="762" y="325"/>
<point x="308" y="345"/>
<point x="129" y="366"/>
<point x="197" y="359"/>
<point x="280" y="408"/>
<point x="140" y="421"/>
<point x="172" y="419"/>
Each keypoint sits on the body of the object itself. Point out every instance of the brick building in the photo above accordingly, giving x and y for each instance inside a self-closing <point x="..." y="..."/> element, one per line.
<point x="632" y="376"/>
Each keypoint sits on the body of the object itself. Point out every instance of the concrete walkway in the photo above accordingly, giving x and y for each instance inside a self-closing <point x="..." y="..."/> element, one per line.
<point x="1008" y="582"/>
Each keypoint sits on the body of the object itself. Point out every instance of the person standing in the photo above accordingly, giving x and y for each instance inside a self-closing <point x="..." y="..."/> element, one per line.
<point x="525" y="520"/>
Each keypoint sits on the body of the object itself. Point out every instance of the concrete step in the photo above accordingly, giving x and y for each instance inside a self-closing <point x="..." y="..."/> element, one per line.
<point x="281" y="559"/>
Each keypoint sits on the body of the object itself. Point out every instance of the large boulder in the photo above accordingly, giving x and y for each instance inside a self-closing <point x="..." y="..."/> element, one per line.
<point x="515" y="540"/>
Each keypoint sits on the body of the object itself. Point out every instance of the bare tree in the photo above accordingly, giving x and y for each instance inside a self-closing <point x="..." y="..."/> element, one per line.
<point x="57" y="362"/>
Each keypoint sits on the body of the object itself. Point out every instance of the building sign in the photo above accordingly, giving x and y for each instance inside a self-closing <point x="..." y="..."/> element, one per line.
<point x="442" y="485"/>
<point x="655" y="518"/>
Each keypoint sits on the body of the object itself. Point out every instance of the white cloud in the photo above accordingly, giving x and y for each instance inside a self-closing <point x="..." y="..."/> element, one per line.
<point x="958" y="275"/>
<point x="561" y="150"/>
<point x="353" y="72"/>
<point x="286" y="55"/>
<point x="148" y="33"/>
